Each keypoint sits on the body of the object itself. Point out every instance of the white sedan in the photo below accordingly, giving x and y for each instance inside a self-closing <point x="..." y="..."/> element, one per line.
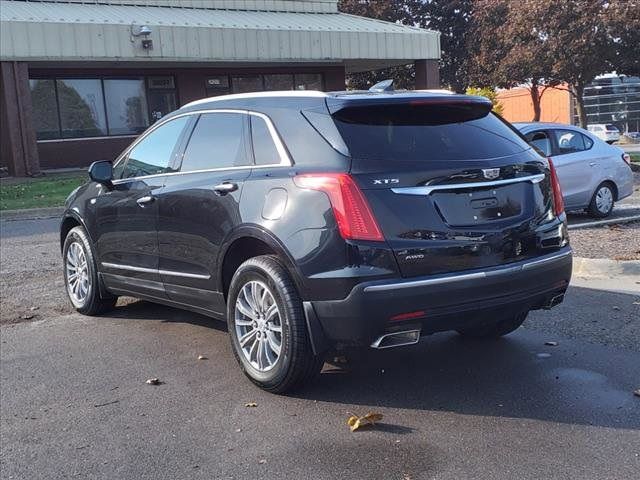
<point x="593" y="175"/>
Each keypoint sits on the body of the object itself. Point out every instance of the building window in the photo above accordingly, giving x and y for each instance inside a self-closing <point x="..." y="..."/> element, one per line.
<point x="278" y="81"/>
<point x="81" y="108"/>
<point x="45" y="109"/>
<point x="308" y="81"/>
<point x="126" y="106"/>
<point x="246" y="83"/>
<point x="95" y="107"/>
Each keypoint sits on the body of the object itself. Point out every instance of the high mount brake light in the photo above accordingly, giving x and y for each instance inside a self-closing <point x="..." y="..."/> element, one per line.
<point x="558" y="203"/>
<point x="351" y="209"/>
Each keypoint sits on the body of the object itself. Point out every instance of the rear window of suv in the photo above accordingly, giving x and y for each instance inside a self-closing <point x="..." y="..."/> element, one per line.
<point x="419" y="133"/>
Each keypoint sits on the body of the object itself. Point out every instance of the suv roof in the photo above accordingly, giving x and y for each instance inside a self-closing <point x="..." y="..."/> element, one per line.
<point x="304" y="96"/>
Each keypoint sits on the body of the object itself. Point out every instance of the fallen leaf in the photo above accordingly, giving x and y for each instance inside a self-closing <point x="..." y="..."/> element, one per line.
<point x="202" y="357"/>
<point x="636" y="303"/>
<point x="251" y="404"/>
<point x="637" y="392"/>
<point x="26" y="317"/>
<point x="33" y="309"/>
<point x="616" y="308"/>
<point x="262" y="460"/>
<point x="355" y="422"/>
<point x="551" y="344"/>
<point x="153" y="381"/>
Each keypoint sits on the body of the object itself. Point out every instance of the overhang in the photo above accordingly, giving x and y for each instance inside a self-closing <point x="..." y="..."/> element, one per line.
<point x="60" y="32"/>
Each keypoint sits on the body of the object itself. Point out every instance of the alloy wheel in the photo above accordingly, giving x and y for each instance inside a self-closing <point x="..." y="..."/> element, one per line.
<point x="78" y="279"/>
<point x="258" y="325"/>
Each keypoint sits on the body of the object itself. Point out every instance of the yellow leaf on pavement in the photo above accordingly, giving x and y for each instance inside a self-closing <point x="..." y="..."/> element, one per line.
<point x="355" y="422"/>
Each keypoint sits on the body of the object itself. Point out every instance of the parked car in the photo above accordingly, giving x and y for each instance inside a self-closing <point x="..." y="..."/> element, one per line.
<point x="593" y="175"/>
<point x="606" y="132"/>
<point x="314" y="221"/>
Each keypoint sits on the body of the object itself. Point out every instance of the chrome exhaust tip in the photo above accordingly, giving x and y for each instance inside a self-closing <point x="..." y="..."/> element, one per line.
<point x="556" y="300"/>
<point x="397" y="339"/>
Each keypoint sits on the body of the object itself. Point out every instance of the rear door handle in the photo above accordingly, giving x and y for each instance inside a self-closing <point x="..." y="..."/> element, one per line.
<point x="225" y="187"/>
<point x="146" y="200"/>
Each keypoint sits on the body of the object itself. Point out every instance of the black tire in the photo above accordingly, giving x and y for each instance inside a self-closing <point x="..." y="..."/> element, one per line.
<point x="92" y="303"/>
<point x="496" y="329"/>
<point x="595" y="208"/>
<point x="295" y="364"/>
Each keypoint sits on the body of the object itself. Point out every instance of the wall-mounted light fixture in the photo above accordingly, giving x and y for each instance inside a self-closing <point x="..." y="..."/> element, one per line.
<point x="143" y="32"/>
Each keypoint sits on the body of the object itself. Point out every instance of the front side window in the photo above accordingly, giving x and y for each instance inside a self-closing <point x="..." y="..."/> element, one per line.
<point x="569" y="141"/>
<point x="81" y="108"/>
<point x="540" y="140"/>
<point x="217" y="141"/>
<point x="264" y="149"/>
<point x="153" y="154"/>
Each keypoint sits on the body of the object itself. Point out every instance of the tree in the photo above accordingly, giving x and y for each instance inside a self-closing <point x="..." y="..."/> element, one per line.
<point x="401" y="11"/>
<point x="577" y="34"/>
<point x="624" y="28"/>
<point x="489" y="93"/>
<point x="508" y="49"/>
<point x="450" y="17"/>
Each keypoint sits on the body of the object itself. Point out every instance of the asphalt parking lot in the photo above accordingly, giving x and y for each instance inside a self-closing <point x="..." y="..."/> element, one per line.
<point x="74" y="403"/>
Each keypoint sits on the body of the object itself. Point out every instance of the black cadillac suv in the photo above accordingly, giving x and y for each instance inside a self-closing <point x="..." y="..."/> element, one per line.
<point x="317" y="221"/>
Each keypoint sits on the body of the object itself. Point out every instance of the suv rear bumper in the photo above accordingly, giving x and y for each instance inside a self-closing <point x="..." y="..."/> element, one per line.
<point x="448" y="301"/>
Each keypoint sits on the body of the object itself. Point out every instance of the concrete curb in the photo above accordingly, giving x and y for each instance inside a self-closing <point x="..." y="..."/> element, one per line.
<point x="605" y="268"/>
<point x="598" y="223"/>
<point x="30" y="213"/>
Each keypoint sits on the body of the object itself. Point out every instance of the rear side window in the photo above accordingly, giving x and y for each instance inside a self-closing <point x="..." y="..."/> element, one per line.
<point x="217" y="141"/>
<point x="153" y="154"/>
<point x="570" y="141"/>
<point x="264" y="149"/>
<point x="415" y="133"/>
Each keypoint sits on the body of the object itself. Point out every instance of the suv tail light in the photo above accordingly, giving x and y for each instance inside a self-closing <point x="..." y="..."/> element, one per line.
<point x="627" y="158"/>
<point x="558" y="203"/>
<point x="351" y="209"/>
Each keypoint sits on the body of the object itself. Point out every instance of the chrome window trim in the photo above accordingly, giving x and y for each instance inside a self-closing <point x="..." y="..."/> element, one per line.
<point x="468" y="276"/>
<point x="172" y="273"/>
<point x="285" y="159"/>
<point x="428" y="189"/>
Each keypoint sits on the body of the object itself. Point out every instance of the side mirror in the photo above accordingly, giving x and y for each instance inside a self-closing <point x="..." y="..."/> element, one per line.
<point x="101" y="172"/>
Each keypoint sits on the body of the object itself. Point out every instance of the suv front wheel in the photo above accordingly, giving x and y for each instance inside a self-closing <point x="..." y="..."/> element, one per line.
<point x="81" y="275"/>
<point x="268" y="328"/>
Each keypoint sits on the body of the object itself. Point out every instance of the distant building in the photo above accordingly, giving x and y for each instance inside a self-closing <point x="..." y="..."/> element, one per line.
<point x="81" y="78"/>
<point x="609" y="99"/>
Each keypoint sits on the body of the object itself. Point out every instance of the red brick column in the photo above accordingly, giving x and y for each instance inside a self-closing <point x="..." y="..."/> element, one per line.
<point x="18" y="148"/>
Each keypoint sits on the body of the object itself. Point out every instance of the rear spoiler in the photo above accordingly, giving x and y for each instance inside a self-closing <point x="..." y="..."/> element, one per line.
<point x="408" y="108"/>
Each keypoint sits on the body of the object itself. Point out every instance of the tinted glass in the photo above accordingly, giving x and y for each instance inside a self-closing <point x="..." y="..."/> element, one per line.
<point x="568" y="141"/>
<point x="264" y="150"/>
<point x="154" y="153"/>
<point x="45" y="109"/>
<point x="126" y="106"/>
<point x="278" y="82"/>
<point x="383" y="134"/>
<point x="246" y="84"/>
<point x="216" y="142"/>
<point x="81" y="108"/>
<point x="540" y="140"/>
<point x="308" y="81"/>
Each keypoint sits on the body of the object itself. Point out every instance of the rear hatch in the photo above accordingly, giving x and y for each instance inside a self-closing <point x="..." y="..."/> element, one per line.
<point x="452" y="186"/>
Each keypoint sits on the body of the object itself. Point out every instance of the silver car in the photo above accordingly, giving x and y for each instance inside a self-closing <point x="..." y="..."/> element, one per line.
<point x="593" y="175"/>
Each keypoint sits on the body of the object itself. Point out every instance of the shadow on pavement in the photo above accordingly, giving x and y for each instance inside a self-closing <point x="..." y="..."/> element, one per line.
<point x="515" y="377"/>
